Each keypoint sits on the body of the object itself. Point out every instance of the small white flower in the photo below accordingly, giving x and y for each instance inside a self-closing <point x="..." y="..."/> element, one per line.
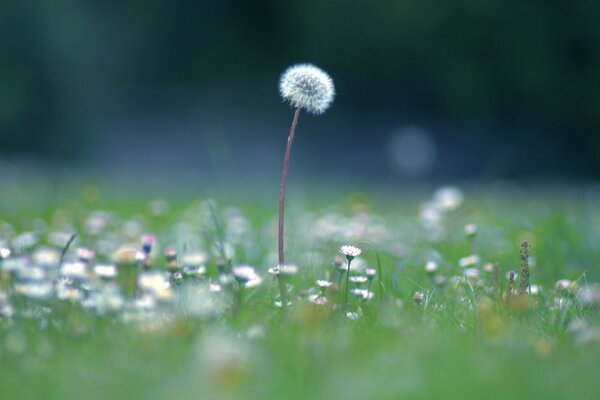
<point x="246" y="275"/>
<point x="317" y="299"/>
<point x="469" y="261"/>
<point x="76" y="270"/>
<point x="371" y="273"/>
<point x="470" y="230"/>
<point x="358" y="279"/>
<point x="448" y="198"/>
<point x="418" y="297"/>
<point x="431" y="267"/>
<point x="307" y="87"/>
<point x="323" y="283"/>
<point x="105" y="271"/>
<point x="350" y="251"/>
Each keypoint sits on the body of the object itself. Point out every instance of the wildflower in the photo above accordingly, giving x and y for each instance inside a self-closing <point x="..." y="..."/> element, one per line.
<point x="75" y="270"/>
<point x="148" y="241"/>
<point x="350" y="252"/>
<point x="45" y="257"/>
<point x="448" y="198"/>
<point x="246" y="276"/>
<point x="36" y="290"/>
<point x="128" y="255"/>
<point x="469" y="261"/>
<point x="317" y="299"/>
<point x="363" y="294"/>
<point x="354" y="315"/>
<point x="288" y="270"/>
<point x="358" y="279"/>
<point x="418" y="297"/>
<point x="308" y="87"/>
<point x="470" y="230"/>
<point x="565" y="286"/>
<point x="4" y="252"/>
<point x="371" y="273"/>
<point x="323" y="283"/>
<point x="431" y="267"/>
<point x="84" y="254"/>
<point x="194" y="259"/>
<point x="105" y="271"/>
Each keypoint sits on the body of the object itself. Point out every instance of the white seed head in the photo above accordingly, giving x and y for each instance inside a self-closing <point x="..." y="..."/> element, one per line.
<point x="307" y="87"/>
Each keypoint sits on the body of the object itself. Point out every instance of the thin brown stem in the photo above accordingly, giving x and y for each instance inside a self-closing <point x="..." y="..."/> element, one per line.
<point x="284" y="170"/>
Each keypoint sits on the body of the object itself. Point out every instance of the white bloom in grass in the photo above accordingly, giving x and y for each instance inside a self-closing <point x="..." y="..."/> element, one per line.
<point x="288" y="269"/>
<point x="354" y="315"/>
<point x="431" y="267"/>
<point x="4" y="252"/>
<point x="535" y="289"/>
<point x="362" y="294"/>
<point x="470" y="230"/>
<point x="307" y="87"/>
<point x="358" y="279"/>
<point x="469" y="261"/>
<point x="45" y="257"/>
<point x="566" y="286"/>
<point x="246" y="275"/>
<point x="323" y="283"/>
<point x="35" y="290"/>
<point x="448" y="198"/>
<point x="350" y="251"/>
<point x="317" y="299"/>
<point x="105" y="271"/>
<point x="418" y="297"/>
<point x="371" y="273"/>
<point x="75" y="270"/>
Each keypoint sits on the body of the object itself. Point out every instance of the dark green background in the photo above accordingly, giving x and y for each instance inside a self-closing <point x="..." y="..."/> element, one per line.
<point x="507" y="88"/>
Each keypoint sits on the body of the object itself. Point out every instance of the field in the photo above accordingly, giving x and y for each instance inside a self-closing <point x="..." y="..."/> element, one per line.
<point x="441" y="318"/>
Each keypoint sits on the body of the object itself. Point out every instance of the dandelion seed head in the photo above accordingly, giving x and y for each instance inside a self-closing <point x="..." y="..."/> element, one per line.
<point x="307" y="87"/>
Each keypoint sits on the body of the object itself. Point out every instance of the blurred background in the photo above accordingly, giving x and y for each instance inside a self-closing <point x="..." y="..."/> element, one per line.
<point x="428" y="90"/>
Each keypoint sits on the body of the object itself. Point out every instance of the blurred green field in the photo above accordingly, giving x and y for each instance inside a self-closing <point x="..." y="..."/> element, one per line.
<point x="467" y="339"/>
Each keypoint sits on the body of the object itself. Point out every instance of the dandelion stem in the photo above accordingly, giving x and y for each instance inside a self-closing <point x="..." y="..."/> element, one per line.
<point x="286" y="161"/>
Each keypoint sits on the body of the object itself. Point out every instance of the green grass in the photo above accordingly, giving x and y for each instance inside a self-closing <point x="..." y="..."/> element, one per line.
<point x="462" y="342"/>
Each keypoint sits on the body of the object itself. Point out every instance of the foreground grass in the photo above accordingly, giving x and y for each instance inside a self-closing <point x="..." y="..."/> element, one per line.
<point x="465" y="340"/>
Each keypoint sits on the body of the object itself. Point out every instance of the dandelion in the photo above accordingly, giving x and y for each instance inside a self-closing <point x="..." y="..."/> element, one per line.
<point x="307" y="87"/>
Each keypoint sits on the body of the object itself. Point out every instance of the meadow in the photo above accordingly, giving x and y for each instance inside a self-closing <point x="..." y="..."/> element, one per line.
<point x="106" y="295"/>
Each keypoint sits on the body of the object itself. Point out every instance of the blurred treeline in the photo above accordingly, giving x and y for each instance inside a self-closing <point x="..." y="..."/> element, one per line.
<point x="530" y="69"/>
